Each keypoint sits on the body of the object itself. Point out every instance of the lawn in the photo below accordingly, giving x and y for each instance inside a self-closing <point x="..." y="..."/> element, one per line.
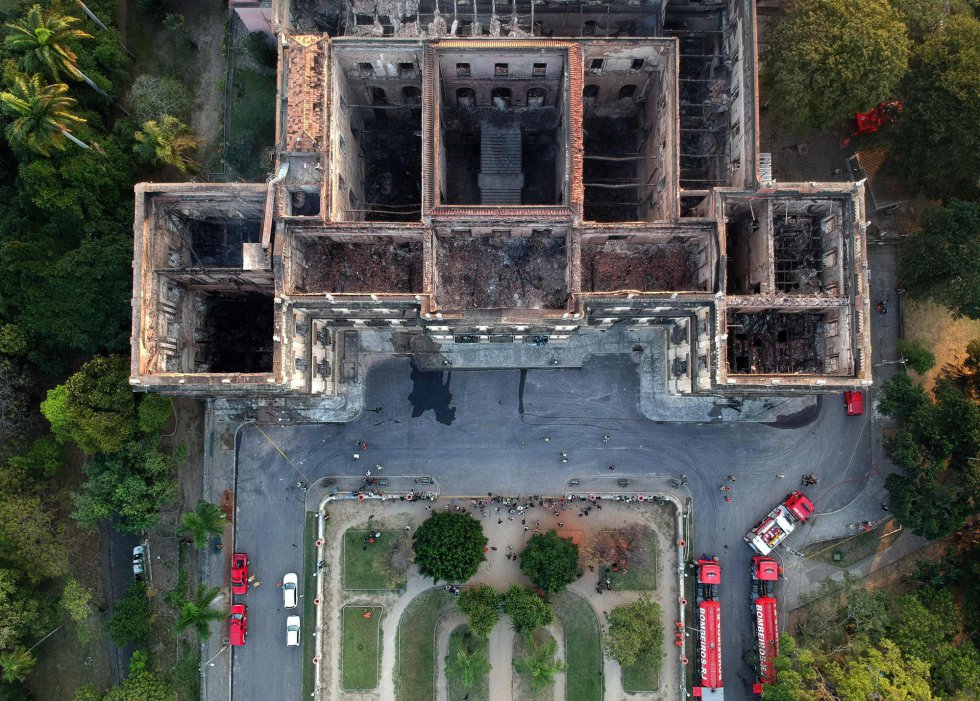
<point x="252" y="128"/>
<point x="367" y="565"/>
<point x="480" y="691"/>
<point x="639" y="578"/>
<point x="523" y="691"/>
<point x="643" y="676"/>
<point x="415" y="667"/>
<point x="309" y="608"/>
<point x="583" y="651"/>
<point x="361" y="647"/>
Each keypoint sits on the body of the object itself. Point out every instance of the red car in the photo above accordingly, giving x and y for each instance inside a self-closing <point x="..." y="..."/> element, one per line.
<point x="238" y="624"/>
<point x="854" y="403"/>
<point x="239" y="573"/>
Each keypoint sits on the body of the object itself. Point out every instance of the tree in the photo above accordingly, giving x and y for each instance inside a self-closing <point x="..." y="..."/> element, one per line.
<point x="197" y="613"/>
<point x="43" y="40"/>
<point x="153" y="97"/>
<point x="967" y="376"/>
<point x="130" y="623"/>
<point x="32" y="536"/>
<point x="917" y="357"/>
<point x="206" y="520"/>
<point x="142" y="684"/>
<point x="41" y="461"/>
<point x="168" y="141"/>
<point x="154" y="412"/>
<point x="23" y="610"/>
<point x="16" y="417"/>
<point x="481" y="606"/>
<point x="41" y="115"/>
<point x="76" y="601"/>
<point x="828" y="59"/>
<point x="881" y="672"/>
<point x="96" y="408"/>
<point x="449" y="546"/>
<point x="635" y="632"/>
<point x="942" y="262"/>
<point x="469" y="663"/>
<point x="133" y="485"/>
<point x="550" y="561"/>
<point x="937" y="139"/>
<point x="16" y="664"/>
<point x="540" y="663"/>
<point x="527" y="610"/>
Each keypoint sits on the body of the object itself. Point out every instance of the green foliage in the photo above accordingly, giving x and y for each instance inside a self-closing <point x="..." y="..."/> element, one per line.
<point x="142" y="684"/>
<point x="469" y="663"/>
<point x="76" y="601"/>
<point x="97" y="409"/>
<point x="252" y="124"/>
<point x="16" y="417"/>
<point x="891" y="676"/>
<point x="917" y="357"/>
<point x="43" y="40"/>
<point x="938" y="136"/>
<point x="967" y="376"/>
<point x="32" y="536"/>
<point x="168" y="142"/>
<point x="828" y="59"/>
<point x="206" y="520"/>
<point x="130" y="623"/>
<point x="261" y="50"/>
<point x="449" y="546"/>
<point x="527" y="610"/>
<point x="42" y="115"/>
<point x="12" y="340"/>
<point x="635" y="631"/>
<point x="540" y="663"/>
<point x="926" y="17"/>
<point x="23" y="610"/>
<point x="16" y="665"/>
<point x="481" y="606"/>
<point x="43" y="460"/>
<point x="197" y="613"/>
<point x="550" y="561"/>
<point x="154" y="413"/>
<point x="133" y="484"/>
<point x="942" y="262"/>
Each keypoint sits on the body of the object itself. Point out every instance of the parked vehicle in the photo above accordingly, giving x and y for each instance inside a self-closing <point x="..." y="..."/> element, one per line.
<point x="238" y="624"/>
<point x="708" y="683"/>
<point x="289" y="590"/>
<point x="779" y="523"/>
<point x="139" y="561"/>
<point x="765" y="571"/>
<point x="854" y="402"/>
<point x="292" y="631"/>
<point x="239" y="573"/>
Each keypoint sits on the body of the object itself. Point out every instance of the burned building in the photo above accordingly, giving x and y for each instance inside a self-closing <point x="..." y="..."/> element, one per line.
<point x="505" y="173"/>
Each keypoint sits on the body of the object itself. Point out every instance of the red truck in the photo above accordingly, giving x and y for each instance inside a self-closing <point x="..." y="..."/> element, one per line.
<point x="709" y="683"/>
<point x="779" y="523"/>
<point x="765" y="571"/>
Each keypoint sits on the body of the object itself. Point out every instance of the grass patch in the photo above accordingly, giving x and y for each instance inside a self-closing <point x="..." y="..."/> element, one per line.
<point x="523" y="689"/>
<point x="309" y="610"/>
<point x="583" y="650"/>
<point x="415" y="667"/>
<point x="480" y="691"/>
<point x="643" y="676"/>
<point x="252" y="127"/>
<point x="369" y="566"/>
<point x="361" y="647"/>
<point x="851" y="549"/>
<point x="639" y="578"/>
<point x="186" y="675"/>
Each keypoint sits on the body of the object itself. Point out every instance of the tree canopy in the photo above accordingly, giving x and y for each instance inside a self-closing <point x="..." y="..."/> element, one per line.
<point x="481" y="606"/>
<point x="550" y="561"/>
<point x="635" y="632"/>
<point x="828" y="59"/>
<point x="942" y="261"/>
<point x="527" y="610"/>
<point x="449" y="546"/>
<point x="938" y="135"/>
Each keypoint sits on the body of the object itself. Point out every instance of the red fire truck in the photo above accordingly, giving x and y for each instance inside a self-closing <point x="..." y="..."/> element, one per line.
<point x="779" y="523"/>
<point x="708" y="684"/>
<point x="765" y="571"/>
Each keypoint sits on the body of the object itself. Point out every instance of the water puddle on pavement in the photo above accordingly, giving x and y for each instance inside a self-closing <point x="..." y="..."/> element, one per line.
<point x="430" y="391"/>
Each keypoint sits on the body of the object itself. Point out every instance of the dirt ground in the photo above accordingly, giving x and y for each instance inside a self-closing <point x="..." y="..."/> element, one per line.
<point x="946" y="337"/>
<point x="508" y="534"/>
<point x="502" y="272"/>
<point x="641" y="267"/>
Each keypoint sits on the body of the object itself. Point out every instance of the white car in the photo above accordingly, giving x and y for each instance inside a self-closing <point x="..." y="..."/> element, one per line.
<point x="139" y="561"/>
<point x="292" y="631"/>
<point x="289" y="590"/>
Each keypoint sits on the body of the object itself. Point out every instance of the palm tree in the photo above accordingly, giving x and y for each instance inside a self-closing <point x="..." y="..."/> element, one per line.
<point x="41" y="114"/>
<point x="168" y="141"/>
<point x="540" y="663"/>
<point x="469" y="664"/>
<point x="198" y="613"/>
<point x="16" y="665"/>
<point x="42" y="39"/>
<point x="206" y="520"/>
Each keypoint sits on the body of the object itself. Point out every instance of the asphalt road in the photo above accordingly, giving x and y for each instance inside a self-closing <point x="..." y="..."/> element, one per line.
<point x="117" y="573"/>
<point x="479" y="432"/>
